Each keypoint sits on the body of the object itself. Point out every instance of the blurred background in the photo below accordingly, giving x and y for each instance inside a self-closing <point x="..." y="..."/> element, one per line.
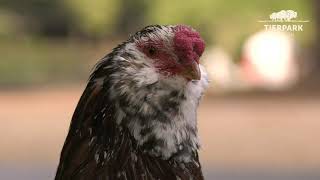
<point x="259" y="120"/>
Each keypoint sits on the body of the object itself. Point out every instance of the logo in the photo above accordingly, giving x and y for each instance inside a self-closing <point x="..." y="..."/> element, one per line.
<point x="284" y="20"/>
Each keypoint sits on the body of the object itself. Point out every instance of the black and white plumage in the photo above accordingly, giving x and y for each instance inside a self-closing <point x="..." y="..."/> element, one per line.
<point x="137" y="117"/>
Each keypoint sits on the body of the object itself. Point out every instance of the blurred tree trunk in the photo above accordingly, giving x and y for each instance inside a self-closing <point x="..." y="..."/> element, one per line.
<point x="312" y="81"/>
<point x="316" y="4"/>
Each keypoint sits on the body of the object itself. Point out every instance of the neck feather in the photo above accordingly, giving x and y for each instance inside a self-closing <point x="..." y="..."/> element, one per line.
<point x="160" y="113"/>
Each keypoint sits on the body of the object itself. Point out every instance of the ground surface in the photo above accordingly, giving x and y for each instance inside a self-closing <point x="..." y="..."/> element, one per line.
<point x="257" y="137"/>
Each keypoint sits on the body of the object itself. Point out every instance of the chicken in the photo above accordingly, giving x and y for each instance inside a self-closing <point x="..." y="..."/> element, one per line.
<point x="137" y="118"/>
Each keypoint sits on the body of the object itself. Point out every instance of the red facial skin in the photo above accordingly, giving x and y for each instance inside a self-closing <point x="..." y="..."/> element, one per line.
<point x="186" y="51"/>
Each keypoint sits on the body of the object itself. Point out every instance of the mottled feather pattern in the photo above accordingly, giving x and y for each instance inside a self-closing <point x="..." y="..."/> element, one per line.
<point x="131" y="124"/>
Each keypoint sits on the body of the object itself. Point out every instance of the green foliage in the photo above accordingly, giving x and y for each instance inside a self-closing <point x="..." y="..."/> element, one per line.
<point x="96" y="17"/>
<point x="8" y="24"/>
<point x="225" y="23"/>
<point x="31" y="61"/>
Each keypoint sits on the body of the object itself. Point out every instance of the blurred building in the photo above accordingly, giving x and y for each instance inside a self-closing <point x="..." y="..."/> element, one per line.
<point x="269" y="60"/>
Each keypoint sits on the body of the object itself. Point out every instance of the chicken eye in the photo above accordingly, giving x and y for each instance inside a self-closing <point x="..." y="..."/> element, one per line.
<point x="152" y="50"/>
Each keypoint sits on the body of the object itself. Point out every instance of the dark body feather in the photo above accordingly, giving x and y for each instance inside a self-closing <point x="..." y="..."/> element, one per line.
<point x="97" y="147"/>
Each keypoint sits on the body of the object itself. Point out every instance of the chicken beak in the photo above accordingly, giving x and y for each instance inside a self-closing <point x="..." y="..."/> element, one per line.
<point x="192" y="71"/>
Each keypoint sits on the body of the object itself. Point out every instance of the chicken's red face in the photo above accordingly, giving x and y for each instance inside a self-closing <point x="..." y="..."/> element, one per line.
<point x="174" y="51"/>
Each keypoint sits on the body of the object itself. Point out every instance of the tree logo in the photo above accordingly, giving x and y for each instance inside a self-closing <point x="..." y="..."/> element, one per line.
<point x="283" y="15"/>
<point x="284" y="20"/>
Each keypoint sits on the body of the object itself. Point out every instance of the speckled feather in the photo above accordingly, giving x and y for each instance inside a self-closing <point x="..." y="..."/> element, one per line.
<point x="131" y="124"/>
